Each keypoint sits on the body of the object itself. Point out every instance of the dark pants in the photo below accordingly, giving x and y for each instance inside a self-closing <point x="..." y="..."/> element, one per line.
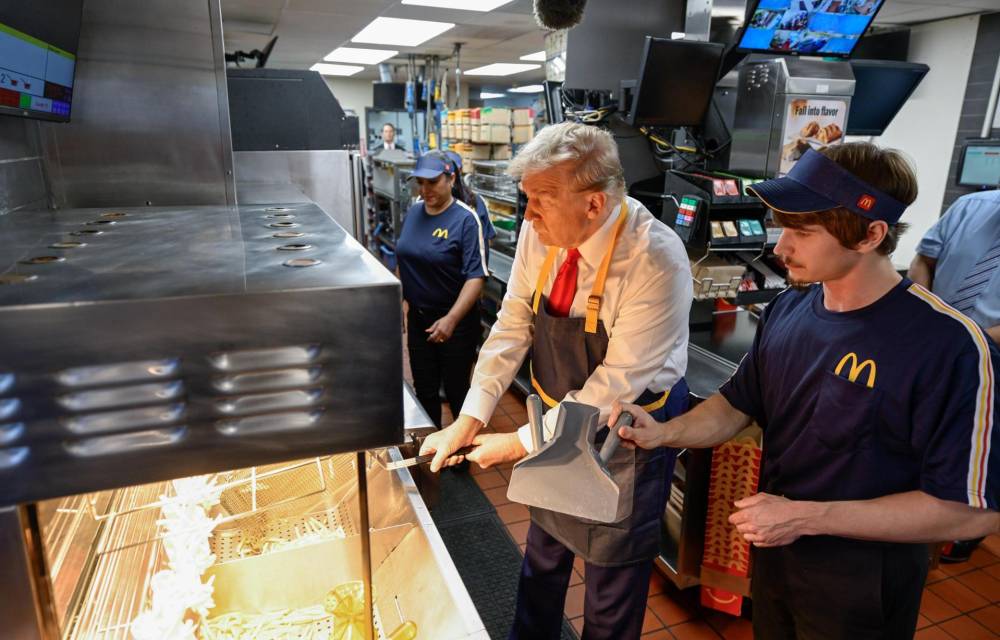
<point x="450" y="361"/>
<point x="614" y="601"/>
<point x="823" y="588"/>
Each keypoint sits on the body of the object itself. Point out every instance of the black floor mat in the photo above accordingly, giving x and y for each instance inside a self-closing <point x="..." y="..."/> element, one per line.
<point x="460" y="497"/>
<point x="486" y="556"/>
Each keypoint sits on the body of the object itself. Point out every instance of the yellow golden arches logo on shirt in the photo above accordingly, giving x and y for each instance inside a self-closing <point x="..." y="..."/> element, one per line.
<point x="857" y="369"/>
<point x="440" y="233"/>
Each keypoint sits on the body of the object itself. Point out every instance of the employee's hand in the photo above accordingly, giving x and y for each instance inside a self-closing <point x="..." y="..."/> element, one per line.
<point x="442" y="329"/>
<point x="645" y="431"/>
<point x="767" y="520"/>
<point x="496" y="448"/>
<point x="445" y="442"/>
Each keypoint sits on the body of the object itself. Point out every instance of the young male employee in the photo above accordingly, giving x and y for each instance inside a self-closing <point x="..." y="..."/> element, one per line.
<point x="878" y="403"/>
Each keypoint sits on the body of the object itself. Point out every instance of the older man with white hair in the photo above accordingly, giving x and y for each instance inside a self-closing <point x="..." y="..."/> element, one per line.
<point x="599" y="293"/>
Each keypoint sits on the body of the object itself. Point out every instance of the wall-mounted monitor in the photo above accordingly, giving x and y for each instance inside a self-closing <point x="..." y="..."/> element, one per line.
<point x="605" y="48"/>
<point x="980" y="164"/>
<point x="676" y="80"/>
<point x="38" y="49"/>
<point x="881" y="88"/>
<point x="808" y="27"/>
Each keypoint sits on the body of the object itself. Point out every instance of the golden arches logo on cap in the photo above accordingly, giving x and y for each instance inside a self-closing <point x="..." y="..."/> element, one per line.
<point x="856" y="369"/>
<point x="817" y="184"/>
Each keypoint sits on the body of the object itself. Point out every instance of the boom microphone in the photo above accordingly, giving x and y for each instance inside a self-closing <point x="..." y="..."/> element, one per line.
<point x="559" y="14"/>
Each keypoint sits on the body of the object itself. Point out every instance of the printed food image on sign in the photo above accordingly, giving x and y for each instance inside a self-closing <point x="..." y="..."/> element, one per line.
<point x="811" y="123"/>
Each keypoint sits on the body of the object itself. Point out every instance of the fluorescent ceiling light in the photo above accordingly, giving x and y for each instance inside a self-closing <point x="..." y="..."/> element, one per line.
<point x="486" y="95"/>
<point x="501" y="69"/>
<point x="359" y="56"/>
<point x="401" y="32"/>
<point x="538" y="56"/>
<point x="727" y="12"/>
<point x="466" y="5"/>
<point x="335" y="69"/>
<point x="530" y="88"/>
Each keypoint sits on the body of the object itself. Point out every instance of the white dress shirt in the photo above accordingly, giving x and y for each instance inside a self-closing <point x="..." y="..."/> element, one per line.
<point x="645" y="308"/>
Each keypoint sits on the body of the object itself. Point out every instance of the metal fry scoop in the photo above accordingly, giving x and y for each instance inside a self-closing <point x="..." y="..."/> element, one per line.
<point x="567" y="474"/>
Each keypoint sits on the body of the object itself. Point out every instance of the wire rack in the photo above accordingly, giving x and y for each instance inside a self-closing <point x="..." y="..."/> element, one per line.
<point x="107" y="609"/>
<point x="244" y="493"/>
<point x="68" y="517"/>
<point x="256" y="505"/>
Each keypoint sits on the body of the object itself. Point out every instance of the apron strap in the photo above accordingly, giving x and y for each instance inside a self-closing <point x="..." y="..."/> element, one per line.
<point x="597" y="292"/>
<point x="658" y="403"/>
<point x="551" y="402"/>
<point x="594" y="300"/>
<point x="543" y="275"/>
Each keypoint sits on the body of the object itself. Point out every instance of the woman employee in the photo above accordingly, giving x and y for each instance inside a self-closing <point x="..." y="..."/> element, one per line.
<point x="442" y="265"/>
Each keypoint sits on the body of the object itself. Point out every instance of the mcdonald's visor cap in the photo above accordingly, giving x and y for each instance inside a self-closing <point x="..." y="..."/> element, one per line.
<point x="430" y="167"/>
<point x="817" y="183"/>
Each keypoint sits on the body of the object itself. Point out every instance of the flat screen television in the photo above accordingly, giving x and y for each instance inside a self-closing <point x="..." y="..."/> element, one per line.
<point x="980" y="164"/>
<point x="606" y="47"/>
<point x="676" y="80"/>
<point x="808" y="27"/>
<point x="38" y="49"/>
<point x="881" y="88"/>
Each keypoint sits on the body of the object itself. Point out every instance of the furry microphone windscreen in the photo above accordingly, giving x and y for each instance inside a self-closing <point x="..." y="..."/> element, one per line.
<point x="559" y="14"/>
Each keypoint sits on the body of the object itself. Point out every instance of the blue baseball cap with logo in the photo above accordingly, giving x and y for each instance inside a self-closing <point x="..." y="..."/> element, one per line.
<point x="817" y="183"/>
<point x="455" y="158"/>
<point x="430" y="166"/>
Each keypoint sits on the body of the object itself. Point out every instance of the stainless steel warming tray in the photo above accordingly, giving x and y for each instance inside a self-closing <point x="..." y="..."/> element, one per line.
<point x="141" y="344"/>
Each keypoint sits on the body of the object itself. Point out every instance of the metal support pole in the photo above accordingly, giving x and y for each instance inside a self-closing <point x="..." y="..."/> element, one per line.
<point x="698" y="20"/>
<point x="991" y="107"/>
<point x="458" y="74"/>
<point x="429" y="89"/>
<point x="366" y="542"/>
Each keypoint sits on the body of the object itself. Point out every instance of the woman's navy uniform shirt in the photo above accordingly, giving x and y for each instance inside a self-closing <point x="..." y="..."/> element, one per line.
<point x="438" y="254"/>
<point x="484" y="216"/>
<point x="898" y="396"/>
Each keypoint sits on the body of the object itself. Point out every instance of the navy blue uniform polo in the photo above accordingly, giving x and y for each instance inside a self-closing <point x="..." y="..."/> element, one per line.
<point x="484" y="216"/>
<point x="897" y="396"/>
<point x="438" y="254"/>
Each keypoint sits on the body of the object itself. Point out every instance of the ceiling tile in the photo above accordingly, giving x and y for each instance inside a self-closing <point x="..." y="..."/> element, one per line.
<point x="252" y="10"/>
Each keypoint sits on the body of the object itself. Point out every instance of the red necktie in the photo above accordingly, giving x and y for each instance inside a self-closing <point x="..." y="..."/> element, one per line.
<point x="564" y="287"/>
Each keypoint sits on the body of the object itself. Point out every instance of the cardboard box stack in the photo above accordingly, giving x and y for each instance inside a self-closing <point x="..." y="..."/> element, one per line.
<point x="465" y="150"/>
<point x="492" y="128"/>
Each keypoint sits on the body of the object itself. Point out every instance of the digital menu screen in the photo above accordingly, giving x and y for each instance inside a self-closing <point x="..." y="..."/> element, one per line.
<point x="38" y="46"/>
<point x="980" y="164"/>
<point x="808" y="27"/>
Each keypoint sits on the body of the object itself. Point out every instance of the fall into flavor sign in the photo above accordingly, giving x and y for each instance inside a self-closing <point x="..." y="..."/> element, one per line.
<point x="811" y="123"/>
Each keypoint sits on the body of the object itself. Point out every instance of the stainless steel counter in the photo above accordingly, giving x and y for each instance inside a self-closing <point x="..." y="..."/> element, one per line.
<point x="500" y="266"/>
<point x="416" y="422"/>
<point x="706" y="371"/>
